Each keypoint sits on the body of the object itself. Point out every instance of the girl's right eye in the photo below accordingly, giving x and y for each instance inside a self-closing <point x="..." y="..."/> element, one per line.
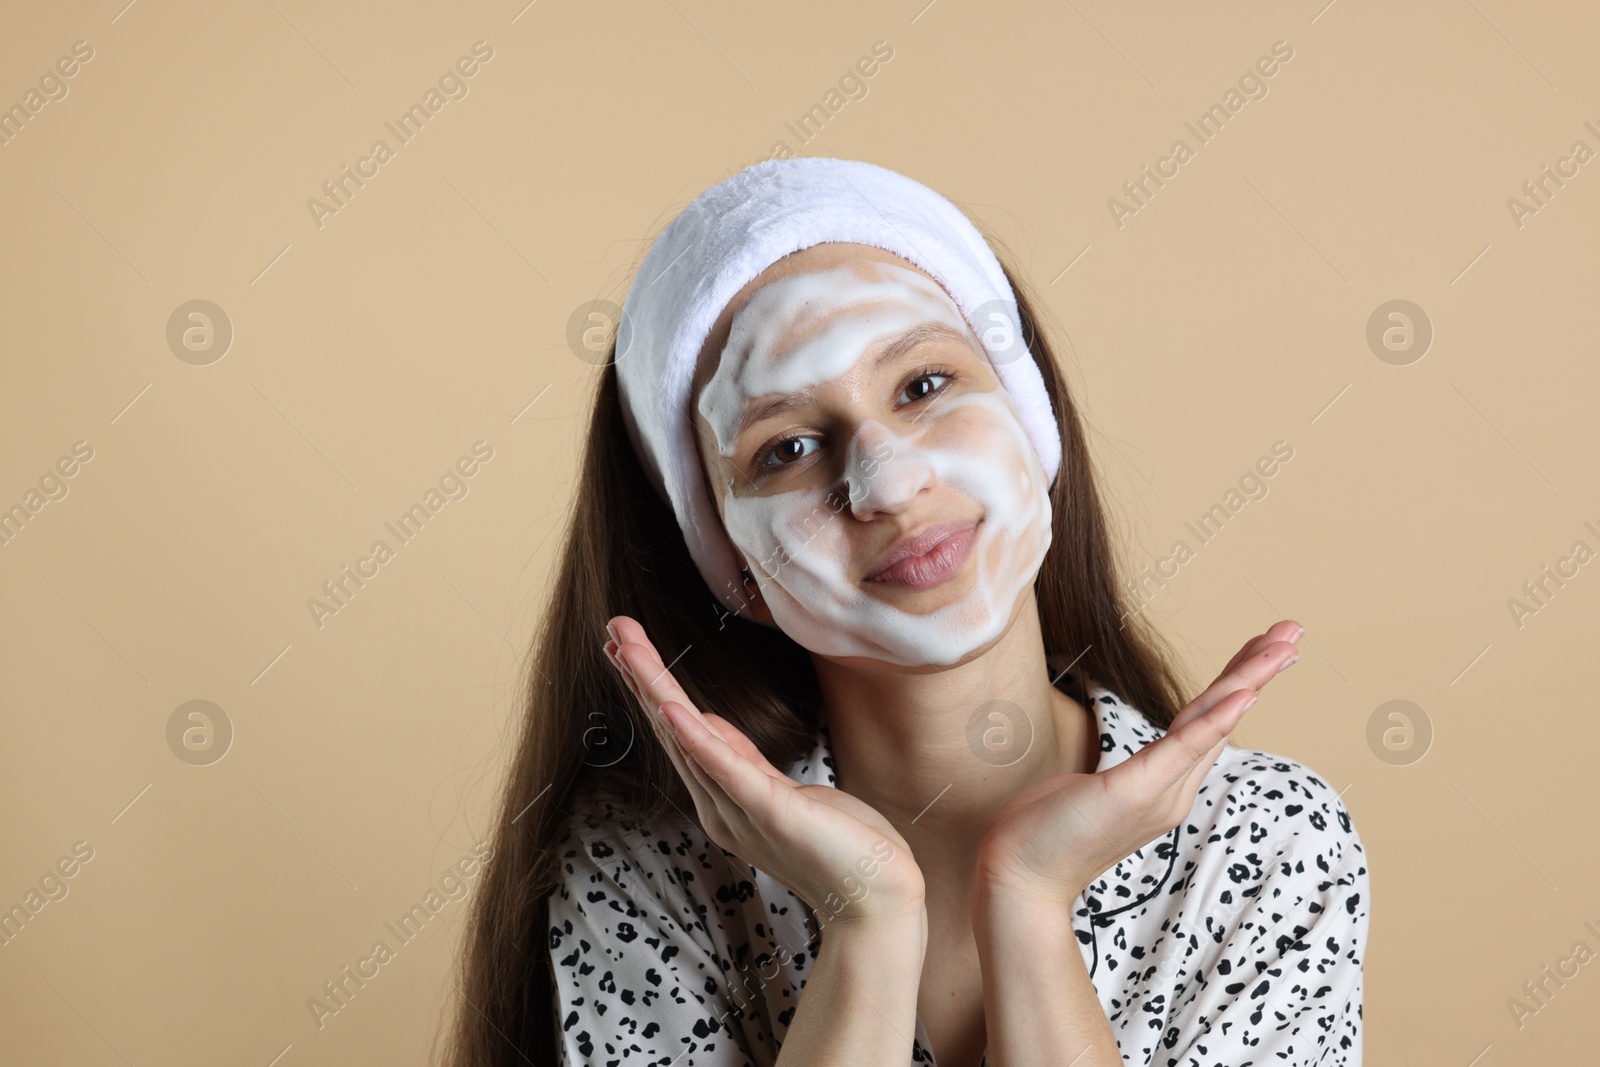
<point x="789" y="450"/>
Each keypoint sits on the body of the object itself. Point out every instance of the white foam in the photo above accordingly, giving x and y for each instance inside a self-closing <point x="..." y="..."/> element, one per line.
<point x="806" y="329"/>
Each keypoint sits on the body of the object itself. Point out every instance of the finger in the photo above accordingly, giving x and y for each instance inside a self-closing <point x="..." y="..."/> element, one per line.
<point x="1203" y="767"/>
<point x="703" y="791"/>
<point x="640" y="664"/>
<point x="1168" y="761"/>
<point x="1251" y="672"/>
<point x="707" y="751"/>
<point x="708" y="795"/>
<point x="656" y="683"/>
<point x="625" y="630"/>
<point x="657" y="689"/>
<point x="647" y="665"/>
<point x="740" y="790"/>
<point x="1191" y="781"/>
<point x="741" y="744"/>
<point x="1225" y="717"/>
<point x="613" y="654"/>
<point x="628" y="683"/>
<point x="1246" y="649"/>
<point x="1284" y="630"/>
<point x="651" y="708"/>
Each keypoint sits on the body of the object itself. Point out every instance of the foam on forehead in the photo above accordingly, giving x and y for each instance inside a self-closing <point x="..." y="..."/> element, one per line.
<point x="804" y="329"/>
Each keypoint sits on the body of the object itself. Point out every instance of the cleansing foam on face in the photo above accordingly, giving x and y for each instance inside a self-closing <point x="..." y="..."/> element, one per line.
<point x="808" y="329"/>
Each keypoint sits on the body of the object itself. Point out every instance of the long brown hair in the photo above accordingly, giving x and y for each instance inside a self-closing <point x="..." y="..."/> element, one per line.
<point x="624" y="555"/>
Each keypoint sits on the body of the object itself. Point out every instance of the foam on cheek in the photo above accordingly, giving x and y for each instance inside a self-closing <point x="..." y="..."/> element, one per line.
<point x="797" y="541"/>
<point x="806" y="578"/>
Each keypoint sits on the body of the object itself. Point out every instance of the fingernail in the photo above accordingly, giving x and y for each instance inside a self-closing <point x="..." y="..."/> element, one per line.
<point x="615" y="655"/>
<point x="1296" y="638"/>
<point x="1288" y="663"/>
<point x="613" y="632"/>
<point x="1252" y="700"/>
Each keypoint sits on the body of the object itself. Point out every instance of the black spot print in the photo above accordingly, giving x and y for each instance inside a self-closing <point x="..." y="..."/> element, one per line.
<point x="1237" y="938"/>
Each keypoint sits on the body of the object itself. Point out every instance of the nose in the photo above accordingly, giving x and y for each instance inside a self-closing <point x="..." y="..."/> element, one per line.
<point x="883" y="472"/>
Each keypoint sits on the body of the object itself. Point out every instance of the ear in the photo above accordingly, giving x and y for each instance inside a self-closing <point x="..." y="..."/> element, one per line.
<point x="753" y="598"/>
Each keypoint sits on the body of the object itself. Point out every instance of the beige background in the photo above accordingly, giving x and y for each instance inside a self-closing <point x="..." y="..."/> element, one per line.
<point x="369" y="354"/>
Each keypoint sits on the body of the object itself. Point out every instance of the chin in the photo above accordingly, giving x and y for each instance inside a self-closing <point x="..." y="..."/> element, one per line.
<point x="877" y="634"/>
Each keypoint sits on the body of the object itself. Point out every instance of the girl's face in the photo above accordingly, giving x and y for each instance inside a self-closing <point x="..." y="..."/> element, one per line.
<point x="868" y="466"/>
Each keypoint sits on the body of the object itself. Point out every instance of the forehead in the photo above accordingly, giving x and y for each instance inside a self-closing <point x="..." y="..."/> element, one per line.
<point x="819" y="257"/>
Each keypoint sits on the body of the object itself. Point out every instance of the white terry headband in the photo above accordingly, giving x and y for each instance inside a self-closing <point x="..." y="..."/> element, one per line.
<point x="732" y="232"/>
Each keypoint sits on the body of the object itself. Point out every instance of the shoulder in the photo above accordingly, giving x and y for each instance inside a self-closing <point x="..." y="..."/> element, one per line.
<point x="1245" y="926"/>
<point x="1271" y="831"/>
<point x="1262" y="826"/>
<point x="1278" y="797"/>
<point x="641" y="927"/>
<point x="614" y="852"/>
<point x="618" y="867"/>
<point x="1268" y="794"/>
<point x="632" y="896"/>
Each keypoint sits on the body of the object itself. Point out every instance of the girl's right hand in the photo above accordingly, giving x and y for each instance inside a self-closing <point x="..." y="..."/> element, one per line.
<point x="835" y="852"/>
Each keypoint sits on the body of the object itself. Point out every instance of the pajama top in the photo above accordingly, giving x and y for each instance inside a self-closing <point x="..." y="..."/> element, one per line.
<point x="1235" y="939"/>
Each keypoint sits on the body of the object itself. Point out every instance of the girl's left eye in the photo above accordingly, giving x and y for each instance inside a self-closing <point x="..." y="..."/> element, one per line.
<point x="923" y="386"/>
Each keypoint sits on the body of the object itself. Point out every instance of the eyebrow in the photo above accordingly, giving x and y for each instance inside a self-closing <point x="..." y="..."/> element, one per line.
<point x="918" y="335"/>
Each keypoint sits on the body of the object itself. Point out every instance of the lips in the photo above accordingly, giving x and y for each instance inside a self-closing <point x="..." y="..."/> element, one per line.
<point x="925" y="559"/>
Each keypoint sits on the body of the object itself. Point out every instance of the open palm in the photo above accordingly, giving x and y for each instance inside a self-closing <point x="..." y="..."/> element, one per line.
<point x="834" y="851"/>
<point x="1063" y="832"/>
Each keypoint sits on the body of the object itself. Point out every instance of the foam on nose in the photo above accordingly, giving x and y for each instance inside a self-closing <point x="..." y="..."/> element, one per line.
<point x="883" y="471"/>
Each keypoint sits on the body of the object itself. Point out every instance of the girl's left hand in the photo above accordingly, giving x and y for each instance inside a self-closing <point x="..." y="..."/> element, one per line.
<point x="1058" y="835"/>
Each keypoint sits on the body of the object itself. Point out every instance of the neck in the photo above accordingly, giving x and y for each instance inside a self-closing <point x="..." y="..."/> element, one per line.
<point x="939" y="752"/>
